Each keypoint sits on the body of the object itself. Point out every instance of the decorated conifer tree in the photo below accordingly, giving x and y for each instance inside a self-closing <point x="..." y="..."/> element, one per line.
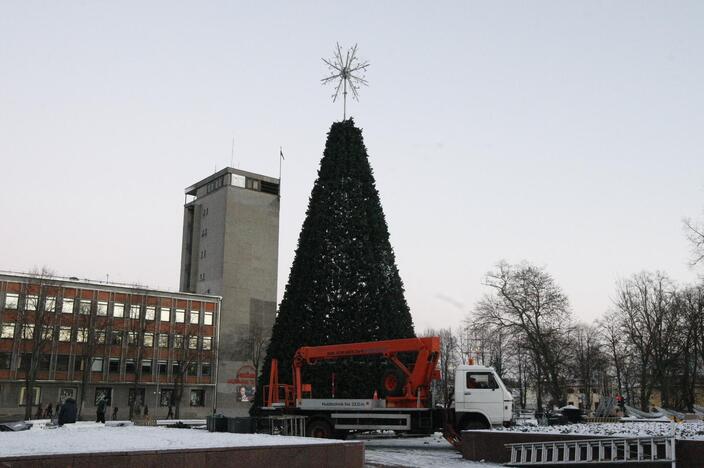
<point x="344" y="286"/>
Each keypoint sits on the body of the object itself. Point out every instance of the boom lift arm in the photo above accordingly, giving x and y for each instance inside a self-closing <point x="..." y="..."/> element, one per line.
<point x="417" y="377"/>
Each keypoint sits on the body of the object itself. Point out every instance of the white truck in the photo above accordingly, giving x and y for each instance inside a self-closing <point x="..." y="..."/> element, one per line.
<point x="403" y="403"/>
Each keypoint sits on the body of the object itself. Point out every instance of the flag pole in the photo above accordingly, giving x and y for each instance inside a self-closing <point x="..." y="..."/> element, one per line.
<point x="281" y="158"/>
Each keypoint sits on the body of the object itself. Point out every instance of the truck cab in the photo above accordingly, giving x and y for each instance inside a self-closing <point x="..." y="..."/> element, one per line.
<point x="481" y="398"/>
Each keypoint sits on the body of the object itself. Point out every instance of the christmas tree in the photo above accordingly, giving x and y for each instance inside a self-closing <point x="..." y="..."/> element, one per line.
<point x="344" y="286"/>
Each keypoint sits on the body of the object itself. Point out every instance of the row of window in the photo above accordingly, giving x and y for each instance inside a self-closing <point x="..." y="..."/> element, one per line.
<point x="118" y="309"/>
<point x="116" y="337"/>
<point x="113" y="365"/>
<point x="166" y="396"/>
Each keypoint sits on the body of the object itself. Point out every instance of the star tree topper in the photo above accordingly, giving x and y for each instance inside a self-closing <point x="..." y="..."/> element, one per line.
<point x="346" y="71"/>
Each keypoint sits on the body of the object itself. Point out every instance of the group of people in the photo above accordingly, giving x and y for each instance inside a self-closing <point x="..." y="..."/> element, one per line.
<point x="66" y="412"/>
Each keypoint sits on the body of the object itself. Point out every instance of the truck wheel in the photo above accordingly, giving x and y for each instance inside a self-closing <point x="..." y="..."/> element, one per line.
<point x="392" y="383"/>
<point x="320" y="429"/>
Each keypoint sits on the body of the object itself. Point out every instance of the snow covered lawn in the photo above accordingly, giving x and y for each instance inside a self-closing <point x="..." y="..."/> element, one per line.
<point x="433" y="451"/>
<point x="88" y="437"/>
<point x="688" y="430"/>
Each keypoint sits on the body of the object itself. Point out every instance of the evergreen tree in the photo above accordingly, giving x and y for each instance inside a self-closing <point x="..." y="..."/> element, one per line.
<point x="344" y="286"/>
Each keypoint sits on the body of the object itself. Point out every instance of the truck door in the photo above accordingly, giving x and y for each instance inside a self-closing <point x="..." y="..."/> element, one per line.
<point x="481" y="393"/>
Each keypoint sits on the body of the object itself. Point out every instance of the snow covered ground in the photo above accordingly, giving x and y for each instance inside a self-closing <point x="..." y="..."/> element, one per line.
<point x="92" y="437"/>
<point x="433" y="451"/>
<point x="688" y="430"/>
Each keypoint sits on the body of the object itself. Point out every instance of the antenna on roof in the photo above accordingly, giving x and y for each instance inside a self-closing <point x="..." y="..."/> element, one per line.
<point x="232" y="155"/>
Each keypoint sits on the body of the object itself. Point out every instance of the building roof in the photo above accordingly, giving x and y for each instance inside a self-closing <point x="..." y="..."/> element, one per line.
<point x="228" y="170"/>
<point x="105" y="285"/>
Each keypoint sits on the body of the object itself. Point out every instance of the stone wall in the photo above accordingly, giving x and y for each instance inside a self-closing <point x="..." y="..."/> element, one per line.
<point x="337" y="455"/>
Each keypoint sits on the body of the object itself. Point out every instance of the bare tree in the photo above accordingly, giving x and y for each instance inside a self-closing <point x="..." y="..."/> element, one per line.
<point x="449" y="360"/>
<point x="36" y="317"/>
<point x="527" y="305"/>
<point x="186" y="355"/>
<point x="90" y="335"/>
<point x="255" y="344"/>
<point x="589" y="360"/>
<point x="695" y="235"/>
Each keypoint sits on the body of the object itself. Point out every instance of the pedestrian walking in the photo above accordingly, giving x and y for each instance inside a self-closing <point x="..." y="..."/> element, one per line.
<point x="114" y="413"/>
<point x="100" y="410"/>
<point x="170" y="414"/>
<point x="146" y="410"/>
<point x="49" y="412"/>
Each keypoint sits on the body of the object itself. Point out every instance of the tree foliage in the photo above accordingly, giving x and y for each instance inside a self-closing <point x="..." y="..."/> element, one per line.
<point x="344" y="285"/>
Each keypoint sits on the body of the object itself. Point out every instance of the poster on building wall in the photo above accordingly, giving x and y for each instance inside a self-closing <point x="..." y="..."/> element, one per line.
<point x="244" y="382"/>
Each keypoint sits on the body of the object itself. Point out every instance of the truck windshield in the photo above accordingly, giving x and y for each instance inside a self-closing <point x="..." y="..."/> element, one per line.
<point x="481" y="380"/>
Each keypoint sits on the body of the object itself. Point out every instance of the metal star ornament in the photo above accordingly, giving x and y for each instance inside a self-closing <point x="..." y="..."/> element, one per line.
<point x="348" y="71"/>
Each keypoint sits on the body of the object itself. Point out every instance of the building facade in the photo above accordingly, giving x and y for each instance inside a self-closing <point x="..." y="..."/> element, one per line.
<point x="91" y="339"/>
<point x="230" y="248"/>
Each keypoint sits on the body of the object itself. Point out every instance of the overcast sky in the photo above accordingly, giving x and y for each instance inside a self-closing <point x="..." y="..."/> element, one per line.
<point x="567" y="134"/>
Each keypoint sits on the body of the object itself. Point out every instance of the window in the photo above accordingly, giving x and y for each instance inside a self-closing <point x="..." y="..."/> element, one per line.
<point x="149" y="340"/>
<point x="97" y="365"/>
<point x="237" y="180"/>
<point x="100" y="336"/>
<point x="84" y="307"/>
<point x="118" y="310"/>
<point x="30" y="302"/>
<point x="207" y="318"/>
<point x="165" y="315"/>
<point x="79" y="364"/>
<point x="81" y="335"/>
<point x="202" y="254"/>
<point x="203" y="212"/>
<point x="166" y="397"/>
<point x="197" y="398"/>
<point x="11" y="300"/>
<point x="62" y="363"/>
<point x="150" y="313"/>
<point x="136" y="395"/>
<point x="195" y="317"/>
<point x="180" y="315"/>
<point x="36" y="395"/>
<point x="134" y="311"/>
<point x="204" y="232"/>
<point x="130" y="368"/>
<point x="161" y="366"/>
<point x="252" y="184"/>
<point x="193" y="369"/>
<point x="67" y="306"/>
<point x="48" y="333"/>
<point x="114" y="366"/>
<point x="65" y="334"/>
<point x="44" y="362"/>
<point x="207" y="342"/>
<point x="481" y="380"/>
<point x="102" y="308"/>
<point x="201" y="277"/>
<point x="132" y="337"/>
<point x="116" y="337"/>
<point x="178" y="341"/>
<point x="175" y="368"/>
<point x="103" y="392"/>
<point x="7" y="330"/>
<point x="27" y="331"/>
<point x="163" y="340"/>
<point x="49" y="303"/>
<point x="146" y="367"/>
<point x="193" y="342"/>
<point x="5" y="360"/>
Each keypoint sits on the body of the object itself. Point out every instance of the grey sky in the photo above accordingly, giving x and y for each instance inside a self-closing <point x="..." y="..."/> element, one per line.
<point x="568" y="134"/>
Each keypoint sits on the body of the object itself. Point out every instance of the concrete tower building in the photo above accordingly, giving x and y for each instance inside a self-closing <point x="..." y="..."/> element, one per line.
<point x="230" y="249"/>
